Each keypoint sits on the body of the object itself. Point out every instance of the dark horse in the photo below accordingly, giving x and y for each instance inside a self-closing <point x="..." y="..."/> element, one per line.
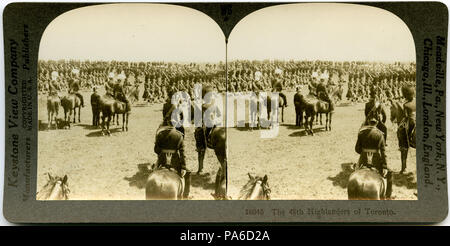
<point x="53" y="103"/>
<point x="257" y="188"/>
<point x="70" y="103"/>
<point x="164" y="184"/>
<point x="56" y="188"/>
<point x="312" y="107"/>
<point x="108" y="107"/>
<point x="368" y="184"/>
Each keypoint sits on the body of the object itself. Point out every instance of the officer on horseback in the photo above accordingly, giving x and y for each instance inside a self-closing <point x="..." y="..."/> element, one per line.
<point x="74" y="87"/>
<point x="376" y="108"/>
<point x="371" y="146"/>
<point x="278" y="87"/>
<point x="169" y="144"/>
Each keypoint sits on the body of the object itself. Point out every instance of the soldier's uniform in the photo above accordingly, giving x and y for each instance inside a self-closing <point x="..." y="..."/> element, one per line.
<point x="74" y="88"/>
<point x="278" y="87"/>
<point x="95" y="97"/>
<point x="202" y="133"/>
<point x="406" y="131"/>
<point x="298" y="110"/>
<point x="380" y="114"/>
<point x="371" y="147"/>
<point x="169" y="142"/>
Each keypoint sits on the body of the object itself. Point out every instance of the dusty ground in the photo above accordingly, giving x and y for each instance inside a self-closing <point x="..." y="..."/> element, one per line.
<point x="310" y="167"/>
<point x="116" y="167"/>
<point x="298" y="166"/>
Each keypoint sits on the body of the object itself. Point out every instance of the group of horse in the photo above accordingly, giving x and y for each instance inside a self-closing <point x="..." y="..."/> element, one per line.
<point x="365" y="184"/>
<point x="104" y="107"/>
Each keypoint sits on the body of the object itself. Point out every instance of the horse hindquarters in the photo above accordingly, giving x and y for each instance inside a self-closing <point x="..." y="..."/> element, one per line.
<point x="363" y="185"/>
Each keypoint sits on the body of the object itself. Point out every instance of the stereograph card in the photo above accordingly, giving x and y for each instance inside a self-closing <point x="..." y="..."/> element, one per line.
<point x="225" y="112"/>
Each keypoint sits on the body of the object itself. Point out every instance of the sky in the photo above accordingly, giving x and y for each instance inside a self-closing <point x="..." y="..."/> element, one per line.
<point x="134" y="32"/>
<point x="160" y="32"/>
<point x="322" y="31"/>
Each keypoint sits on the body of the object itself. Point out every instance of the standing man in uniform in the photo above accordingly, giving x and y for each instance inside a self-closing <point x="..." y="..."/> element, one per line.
<point x="298" y="107"/>
<point x="95" y="98"/>
<point x="407" y="128"/>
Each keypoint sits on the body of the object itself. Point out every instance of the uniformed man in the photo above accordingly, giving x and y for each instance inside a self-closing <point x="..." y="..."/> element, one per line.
<point x="202" y="133"/>
<point x="74" y="87"/>
<point x="298" y="107"/>
<point x="406" y="130"/>
<point x="170" y="148"/>
<point x="278" y="87"/>
<point x="95" y="98"/>
<point x="371" y="146"/>
<point x="375" y="107"/>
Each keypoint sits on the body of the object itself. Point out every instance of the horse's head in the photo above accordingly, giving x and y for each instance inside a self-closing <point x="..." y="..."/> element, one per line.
<point x="57" y="188"/>
<point x="257" y="188"/>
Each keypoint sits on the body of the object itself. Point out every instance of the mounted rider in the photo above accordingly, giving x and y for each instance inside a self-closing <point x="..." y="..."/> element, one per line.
<point x="74" y="87"/>
<point x="169" y="144"/>
<point x="375" y="107"/>
<point x="277" y="85"/>
<point x="371" y="146"/>
<point x="120" y="94"/>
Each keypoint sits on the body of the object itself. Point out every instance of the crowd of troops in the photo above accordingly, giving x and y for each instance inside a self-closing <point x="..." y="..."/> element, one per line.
<point x="160" y="77"/>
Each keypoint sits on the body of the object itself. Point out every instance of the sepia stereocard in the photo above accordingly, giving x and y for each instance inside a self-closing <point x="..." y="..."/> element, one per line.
<point x="133" y="97"/>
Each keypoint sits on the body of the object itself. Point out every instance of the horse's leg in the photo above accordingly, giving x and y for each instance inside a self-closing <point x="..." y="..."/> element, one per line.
<point x="79" y="114"/>
<point x="74" y="115"/>
<point x="311" y="124"/>
<point x="123" y="122"/>
<point x="103" y="124"/>
<point x="201" y="158"/>
<point x="49" y="120"/>
<point x="404" y="157"/>
<point x="282" y="114"/>
<point x="320" y="115"/>
<point x="128" y="116"/>
<point x="326" y="121"/>
<point x="107" y="125"/>
<point x="329" y="123"/>
<point x="220" y="186"/>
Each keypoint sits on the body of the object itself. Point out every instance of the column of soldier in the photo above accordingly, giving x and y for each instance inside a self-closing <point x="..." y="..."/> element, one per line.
<point x="160" y="77"/>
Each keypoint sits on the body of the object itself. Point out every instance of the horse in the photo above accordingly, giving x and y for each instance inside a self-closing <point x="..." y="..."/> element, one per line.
<point x="256" y="188"/>
<point x="109" y="107"/>
<point x="70" y="103"/>
<point x="56" y="188"/>
<point x="164" y="184"/>
<point x="368" y="184"/>
<point x="53" y="103"/>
